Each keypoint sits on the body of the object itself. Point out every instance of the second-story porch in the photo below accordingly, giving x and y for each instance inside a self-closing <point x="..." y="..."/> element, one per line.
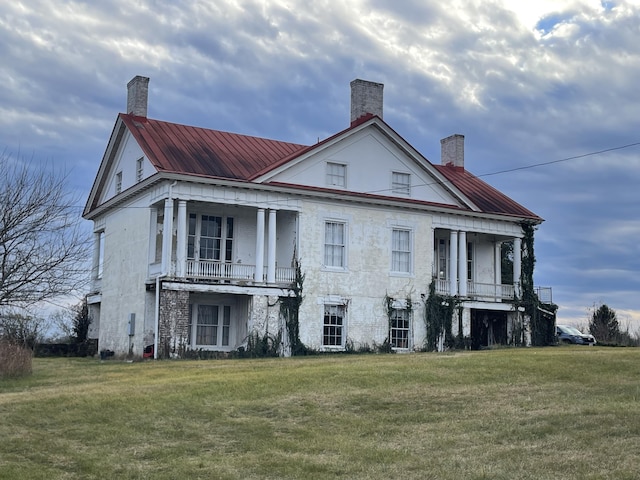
<point x="492" y="292"/>
<point x="218" y="243"/>
<point x="469" y="265"/>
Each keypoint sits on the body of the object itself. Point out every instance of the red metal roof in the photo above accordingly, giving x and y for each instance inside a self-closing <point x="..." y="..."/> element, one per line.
<point x="483" y="195"/>
<point x="199" y="151"/>
<point x="175" y="148"/>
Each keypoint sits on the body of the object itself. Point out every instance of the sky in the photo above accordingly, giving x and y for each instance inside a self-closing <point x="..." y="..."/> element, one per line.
<point x="545" y="93"/>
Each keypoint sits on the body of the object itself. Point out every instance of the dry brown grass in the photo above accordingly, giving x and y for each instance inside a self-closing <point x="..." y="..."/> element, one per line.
<point x="15" y="360"/>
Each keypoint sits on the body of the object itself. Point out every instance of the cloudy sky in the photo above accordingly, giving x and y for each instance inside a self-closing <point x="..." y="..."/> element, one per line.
<point x="545" y="92"/>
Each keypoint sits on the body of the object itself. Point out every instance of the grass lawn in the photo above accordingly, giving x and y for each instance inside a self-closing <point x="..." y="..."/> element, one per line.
<point x="553" y="413"/>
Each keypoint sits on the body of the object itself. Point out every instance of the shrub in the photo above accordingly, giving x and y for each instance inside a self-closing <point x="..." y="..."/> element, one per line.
<point x="15" y="360"/>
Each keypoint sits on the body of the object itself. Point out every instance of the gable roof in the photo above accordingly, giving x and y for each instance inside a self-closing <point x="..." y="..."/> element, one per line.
<point x="483" y="195"/>
<point x="175" y="148"/>
<point x="187" y="150"/>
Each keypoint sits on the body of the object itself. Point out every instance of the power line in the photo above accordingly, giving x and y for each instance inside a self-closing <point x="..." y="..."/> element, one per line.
<point x="489" y="174"/>
<point x="542" y="164"/>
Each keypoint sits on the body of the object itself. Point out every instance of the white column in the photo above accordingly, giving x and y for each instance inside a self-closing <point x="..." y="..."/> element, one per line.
<point x="259" y="274"/>
<point x="167" y="234"/>
<point x="462" y="264"/>
<point x="517" y="264"/>
<point x="271" y="252"/>
<point x="497" y="263"/>
<point x="181" y="240"/>
<point x="453" y="263"/>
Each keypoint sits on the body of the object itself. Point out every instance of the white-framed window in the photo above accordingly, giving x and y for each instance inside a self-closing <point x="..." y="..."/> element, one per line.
<point x="210" y="237"/>
<point x="335" y="244"/>
<point x="401" y="250"/>
<point x="212" y="325"/>
<point x="100" y="247"/>
<point x="333" y="327"/>
<point x="118" y="182"/>
<point x="336" y="175"/>
<point x="401" y="183"/>
<point x="442" y="272"/>
<point x="139" y="169"/>
<point x="399" y="328"/>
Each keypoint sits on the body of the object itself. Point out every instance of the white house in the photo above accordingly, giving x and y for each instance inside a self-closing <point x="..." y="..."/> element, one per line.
<point x="197" y="233"/>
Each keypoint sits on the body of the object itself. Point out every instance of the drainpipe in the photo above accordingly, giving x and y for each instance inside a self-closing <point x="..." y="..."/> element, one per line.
<point x="162" y="275"/>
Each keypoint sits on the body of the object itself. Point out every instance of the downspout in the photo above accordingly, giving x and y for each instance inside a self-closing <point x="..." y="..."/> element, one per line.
<point x="162" y="275"/>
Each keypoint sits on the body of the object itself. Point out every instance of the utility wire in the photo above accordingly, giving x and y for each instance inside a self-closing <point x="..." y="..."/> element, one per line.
<point x="498" y="172"/>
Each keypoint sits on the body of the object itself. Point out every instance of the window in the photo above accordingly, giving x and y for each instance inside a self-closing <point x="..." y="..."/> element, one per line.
<point x="210" y="237"/>
<point x="99" y="267"/>
<point x="334" y="244"/>
<point x="211" y="330"/>
<point x="118" y="182"/>
<point x="401" y="183"/>
<point x="399" y="328"/>
<point x="159" y="231"/>
<point x="401" y="251"/>
<point x="333" y="327"/>
<point x="139" y="169"/>
<point x="336" y="175"/>
<point x="441" y="267"/>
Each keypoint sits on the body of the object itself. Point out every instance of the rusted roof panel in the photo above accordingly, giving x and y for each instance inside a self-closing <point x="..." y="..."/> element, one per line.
<point x="483" y="195"/>
<point x="199" y="151"/>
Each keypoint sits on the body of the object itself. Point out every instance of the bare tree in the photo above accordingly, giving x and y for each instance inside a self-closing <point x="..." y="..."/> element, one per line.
<point x="42" y="247"/>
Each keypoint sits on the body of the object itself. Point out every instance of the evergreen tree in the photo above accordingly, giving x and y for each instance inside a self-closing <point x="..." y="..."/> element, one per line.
<point x="604" y="325"/>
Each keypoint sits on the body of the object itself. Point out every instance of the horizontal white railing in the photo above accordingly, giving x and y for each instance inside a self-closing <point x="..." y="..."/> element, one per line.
<point x="478" y="290"/>
<point x="490" y="291"/>
<point x="443" y="287"/>
<point x="205" y="270"/>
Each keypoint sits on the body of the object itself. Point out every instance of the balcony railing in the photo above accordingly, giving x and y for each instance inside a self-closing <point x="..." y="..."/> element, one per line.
<point x="481" y="291"/>
<point x="212" y="270"/>
<point x="491" y="291"/>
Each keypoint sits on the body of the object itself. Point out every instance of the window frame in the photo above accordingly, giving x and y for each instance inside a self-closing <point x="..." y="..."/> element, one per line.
<point x="401" y="188"/>
<point x="139" y="169"/>
<point x="396" y="252"/>
<point x="336" y="179"/>
<point x="118" y="185"/>
<point x="333" y="246"/>
<point x="221" y="330"/>
<point x="329" y="330"/>
<point x="441" y="259"/>
<point x="400" y="332"/>
<point x="220" y="243"/>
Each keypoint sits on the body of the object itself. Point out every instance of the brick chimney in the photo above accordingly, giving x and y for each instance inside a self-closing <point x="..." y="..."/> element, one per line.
<point x="137" y="94"/>
<point x="452" y="150"/>
<point x="366" y="98"/>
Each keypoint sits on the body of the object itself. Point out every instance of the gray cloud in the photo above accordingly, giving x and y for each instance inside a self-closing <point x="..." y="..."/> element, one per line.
<point x="557" y="86"/>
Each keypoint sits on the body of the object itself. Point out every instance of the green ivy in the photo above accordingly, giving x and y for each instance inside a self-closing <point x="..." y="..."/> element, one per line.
<point x="290" y="311"/>
<point x="438" y="319"/>
<point x="542" y="324"/>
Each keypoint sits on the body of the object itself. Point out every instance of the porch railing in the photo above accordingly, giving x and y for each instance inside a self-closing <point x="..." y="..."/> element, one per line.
<point x="212" y="270"/>
<point x="481" y="291"/>
<point x="491" y="291"/>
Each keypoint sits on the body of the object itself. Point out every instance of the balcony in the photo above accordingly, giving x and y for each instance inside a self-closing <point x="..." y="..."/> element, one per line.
<point x="490" y="292"/>
<point x="214" y="271"/>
